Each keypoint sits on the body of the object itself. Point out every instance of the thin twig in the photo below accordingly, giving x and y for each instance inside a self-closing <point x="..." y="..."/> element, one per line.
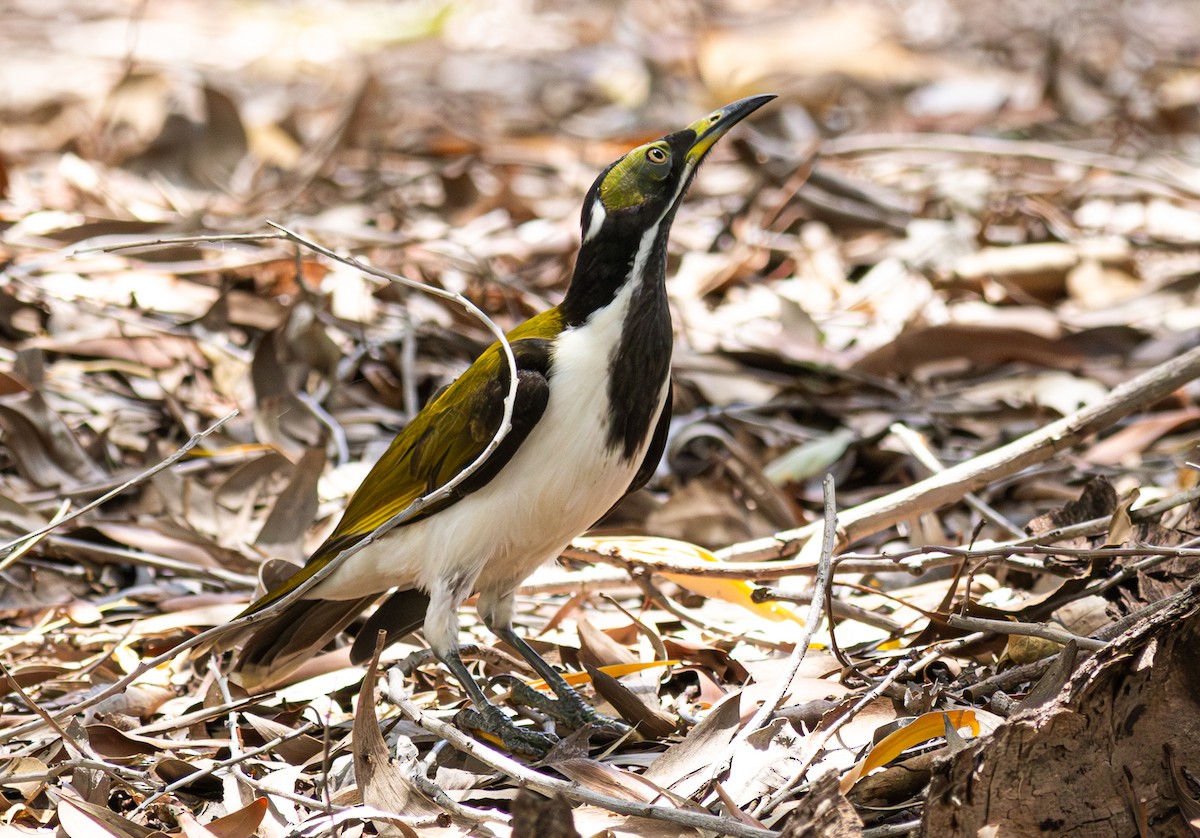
<point x="684" y="615"/>
<point x="81" y="750"/>
<point x="79" y="747"/>
<point x="892" y="830"/>
<point x="816" y="741"/>
<point x="1056" y="635"/>
<point x="1025" y="673"/>
<point x="23" y="547"/>
<point x="225" y="763"/>
<point x="782" y="686"/>
<point x="290" y="796"/>
<point x="915" y="560"/>
<point x="478" y="818"/>
<point x="175" y="240"/>
<point x="840" y="609"/>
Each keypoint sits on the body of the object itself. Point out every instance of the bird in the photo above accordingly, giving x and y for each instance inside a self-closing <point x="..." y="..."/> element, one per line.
<point x="589" y="424"/>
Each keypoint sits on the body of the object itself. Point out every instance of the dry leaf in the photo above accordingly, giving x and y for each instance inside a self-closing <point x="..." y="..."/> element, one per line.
<point x="921" y="729"/>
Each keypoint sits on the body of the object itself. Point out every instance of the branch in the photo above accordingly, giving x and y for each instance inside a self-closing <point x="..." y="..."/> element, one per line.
<point x="950" y="485"/>
<point x="526" y="776"/>
<point x="1045" y="632"/>
<point x="779" y="690"/>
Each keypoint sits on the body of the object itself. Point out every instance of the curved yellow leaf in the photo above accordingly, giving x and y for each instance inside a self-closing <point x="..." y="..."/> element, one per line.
<point x="923" y="728"/>
<point x="616" y="670"/>
<point x="651" y="548"/>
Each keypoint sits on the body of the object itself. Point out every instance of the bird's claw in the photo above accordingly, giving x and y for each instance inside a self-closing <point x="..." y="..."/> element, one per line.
<point x="567" y="707"/>
<point x="493" y="724"/>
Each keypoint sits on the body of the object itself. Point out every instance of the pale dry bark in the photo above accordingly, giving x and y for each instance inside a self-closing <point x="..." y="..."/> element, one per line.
<point x="1094" y="759"/>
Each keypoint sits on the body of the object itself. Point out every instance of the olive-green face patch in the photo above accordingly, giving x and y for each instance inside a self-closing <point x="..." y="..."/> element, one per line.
<point x="629" y="182"/>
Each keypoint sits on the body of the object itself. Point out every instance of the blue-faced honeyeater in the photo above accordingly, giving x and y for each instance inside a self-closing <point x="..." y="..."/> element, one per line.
<point x="589" y="424"/>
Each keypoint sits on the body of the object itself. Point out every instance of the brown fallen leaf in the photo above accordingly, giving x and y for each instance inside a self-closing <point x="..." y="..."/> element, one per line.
<point x="1189" y="803"/>
<point x="115" y="744"/>
<point x="1126" y="445"/>
<point x="1039" y="269"/>
<point x="80" y="819"/>
<point x="974" y="345"/>
<point x="384" y="780"/>
<point x="608" y="779"/>
<point x="649" y="721"/>
<point x="282" y="534"/>
<point x="686" y="766"/>
<point x="243" y="823"/>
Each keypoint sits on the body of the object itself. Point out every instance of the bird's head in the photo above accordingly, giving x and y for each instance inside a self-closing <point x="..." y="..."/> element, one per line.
<point x="647" y="184"/>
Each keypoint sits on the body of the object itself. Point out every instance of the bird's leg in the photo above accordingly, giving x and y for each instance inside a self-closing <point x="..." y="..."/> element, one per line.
<point x="567" y="706"/>
<point x="441" y="632"/>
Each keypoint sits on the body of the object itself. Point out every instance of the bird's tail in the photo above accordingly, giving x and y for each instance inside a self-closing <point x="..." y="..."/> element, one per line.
<point x="270" y="651"/>
<point x="274" y="649"/>
<point x="402" y="612"/>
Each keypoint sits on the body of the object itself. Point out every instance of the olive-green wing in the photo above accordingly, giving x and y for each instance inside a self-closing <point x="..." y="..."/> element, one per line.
<point x="444" y="438"/>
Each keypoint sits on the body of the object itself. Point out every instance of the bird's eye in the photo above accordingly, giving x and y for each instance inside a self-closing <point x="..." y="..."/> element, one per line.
<point x="656" y="155"/>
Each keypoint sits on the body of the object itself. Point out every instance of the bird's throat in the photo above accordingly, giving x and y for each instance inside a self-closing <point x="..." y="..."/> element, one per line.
<point x="618" y="296"/>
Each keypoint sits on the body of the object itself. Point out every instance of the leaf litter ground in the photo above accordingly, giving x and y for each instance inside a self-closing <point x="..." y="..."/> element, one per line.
<point x="965" y="290"/>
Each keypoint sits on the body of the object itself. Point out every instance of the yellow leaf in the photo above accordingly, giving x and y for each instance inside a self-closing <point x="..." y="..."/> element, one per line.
<point x="616" y="670"/>
<point x="650" y="548"/>
<point x="923" y="728"/>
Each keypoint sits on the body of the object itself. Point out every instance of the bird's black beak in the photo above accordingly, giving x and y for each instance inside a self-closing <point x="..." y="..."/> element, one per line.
<point x="714" y="126"/>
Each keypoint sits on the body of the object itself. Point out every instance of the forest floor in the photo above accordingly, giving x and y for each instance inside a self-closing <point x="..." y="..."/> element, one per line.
<point x="922" y="556"/>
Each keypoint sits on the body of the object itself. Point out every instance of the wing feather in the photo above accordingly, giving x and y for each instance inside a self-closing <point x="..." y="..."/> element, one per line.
<point x="443" y="439"/>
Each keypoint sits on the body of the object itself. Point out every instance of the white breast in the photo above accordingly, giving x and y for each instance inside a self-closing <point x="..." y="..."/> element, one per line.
<point x="559" y="483"/>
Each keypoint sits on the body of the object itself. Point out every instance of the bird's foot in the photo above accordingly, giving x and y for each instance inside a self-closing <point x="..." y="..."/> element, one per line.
<point x="568" y="707"/>
<point x="491" y="723"/>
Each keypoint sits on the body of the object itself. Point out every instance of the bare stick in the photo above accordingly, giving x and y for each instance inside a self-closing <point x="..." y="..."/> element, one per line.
<point x="228" y="763"/>
<point x="169" y="240"/>
<point x="779" y="690"/>
<point x="914" y="560"/>
<point x="1041" y="630"/>
<point x="526" y="776"/>
<point x="921" y="452"/>
<point x="950" y="485"/>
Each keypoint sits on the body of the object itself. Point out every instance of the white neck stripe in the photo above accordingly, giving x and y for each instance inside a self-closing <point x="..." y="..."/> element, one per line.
<point x="597" y="220"/>
<point x="637" y="268"/>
